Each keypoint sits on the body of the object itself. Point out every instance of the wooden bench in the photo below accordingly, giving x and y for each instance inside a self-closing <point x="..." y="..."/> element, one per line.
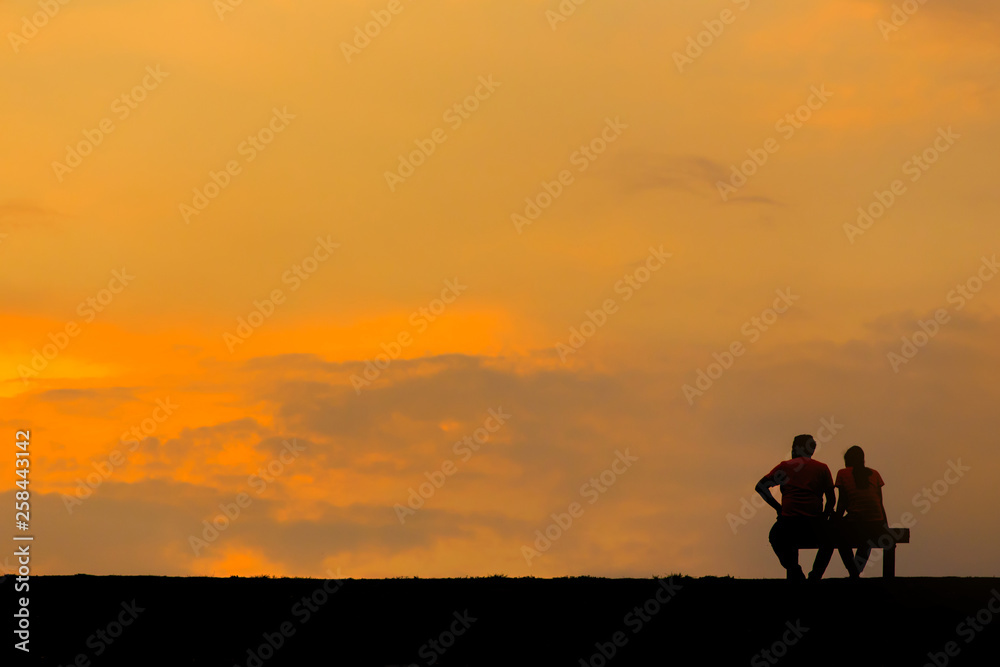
<point x="880" y="538"/>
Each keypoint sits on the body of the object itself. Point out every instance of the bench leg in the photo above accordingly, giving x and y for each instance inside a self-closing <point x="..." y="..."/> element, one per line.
<point x="889" y="564"/>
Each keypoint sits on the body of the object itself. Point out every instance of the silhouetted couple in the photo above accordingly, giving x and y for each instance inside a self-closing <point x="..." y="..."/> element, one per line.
<point x="802" y="517"/>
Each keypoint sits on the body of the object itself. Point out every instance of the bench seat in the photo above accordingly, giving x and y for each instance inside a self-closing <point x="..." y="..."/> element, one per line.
<point x="844" y="534"/>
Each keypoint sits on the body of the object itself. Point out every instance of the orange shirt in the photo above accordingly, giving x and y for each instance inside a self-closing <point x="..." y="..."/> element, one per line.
<point x="861" y="504"/>
<point x="803" y="484"/>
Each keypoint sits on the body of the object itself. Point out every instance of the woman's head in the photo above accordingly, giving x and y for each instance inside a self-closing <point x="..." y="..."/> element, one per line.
<point x="855" y="458"/>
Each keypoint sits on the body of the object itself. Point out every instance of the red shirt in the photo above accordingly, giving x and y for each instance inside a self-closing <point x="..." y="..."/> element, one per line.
<point x="803" y="482"/>
<point x="861" y="504"/>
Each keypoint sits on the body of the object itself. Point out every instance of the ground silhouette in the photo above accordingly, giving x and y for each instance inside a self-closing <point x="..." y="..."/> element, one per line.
<point x="253" y="622"/>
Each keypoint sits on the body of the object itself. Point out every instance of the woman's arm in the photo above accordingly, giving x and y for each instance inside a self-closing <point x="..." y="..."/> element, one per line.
<point x="841" y="503"/>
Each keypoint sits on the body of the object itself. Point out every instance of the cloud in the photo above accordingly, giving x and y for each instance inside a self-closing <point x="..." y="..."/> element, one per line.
<point x="959" y="18"/>
<point x="23" y="209"/>
<point x="20" y="213"/>
<point x="100" y="395"/>
<point x="754" y="200"/>
<point x="685" y="173"/>
<point x="696" y="175"/>
<point x="363" y="454"/>
<point x="150" y="525"/>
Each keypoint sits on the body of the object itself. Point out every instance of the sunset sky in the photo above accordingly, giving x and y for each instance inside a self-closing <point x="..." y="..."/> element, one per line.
<point x="215" y="218"/>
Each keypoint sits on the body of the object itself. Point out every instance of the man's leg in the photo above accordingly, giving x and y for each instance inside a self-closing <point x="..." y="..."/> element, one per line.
<point x="823" y="556"/>
<point x="822" y="530"/>
<point x="780" y="537"/>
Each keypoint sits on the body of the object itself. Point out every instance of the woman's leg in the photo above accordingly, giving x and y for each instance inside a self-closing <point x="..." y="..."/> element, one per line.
<point x="861" y="558"/>
<point x="848" y="559"/>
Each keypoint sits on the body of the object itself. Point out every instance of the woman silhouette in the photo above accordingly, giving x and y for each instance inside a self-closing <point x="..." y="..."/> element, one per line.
<point x="860" y="496"/>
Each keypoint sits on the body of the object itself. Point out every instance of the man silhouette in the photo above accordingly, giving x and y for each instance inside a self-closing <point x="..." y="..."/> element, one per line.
<point x="804" y="484"/>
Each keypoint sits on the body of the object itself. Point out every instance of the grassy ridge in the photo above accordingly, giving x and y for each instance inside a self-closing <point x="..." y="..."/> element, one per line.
<point x="84" y="620"/>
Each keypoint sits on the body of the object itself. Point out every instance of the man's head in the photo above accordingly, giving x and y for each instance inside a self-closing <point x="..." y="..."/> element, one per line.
<point x="803" y="445"/>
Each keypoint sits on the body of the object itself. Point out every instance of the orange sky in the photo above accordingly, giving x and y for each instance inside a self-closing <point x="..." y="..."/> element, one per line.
<point x="212" y="226"/>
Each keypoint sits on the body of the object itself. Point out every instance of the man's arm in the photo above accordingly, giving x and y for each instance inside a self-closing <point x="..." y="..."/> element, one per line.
<point x="881" y="503"/>
<point x="828" y="493"/>
<point x="764" y="489"/>
<point x="830" y="500"/>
